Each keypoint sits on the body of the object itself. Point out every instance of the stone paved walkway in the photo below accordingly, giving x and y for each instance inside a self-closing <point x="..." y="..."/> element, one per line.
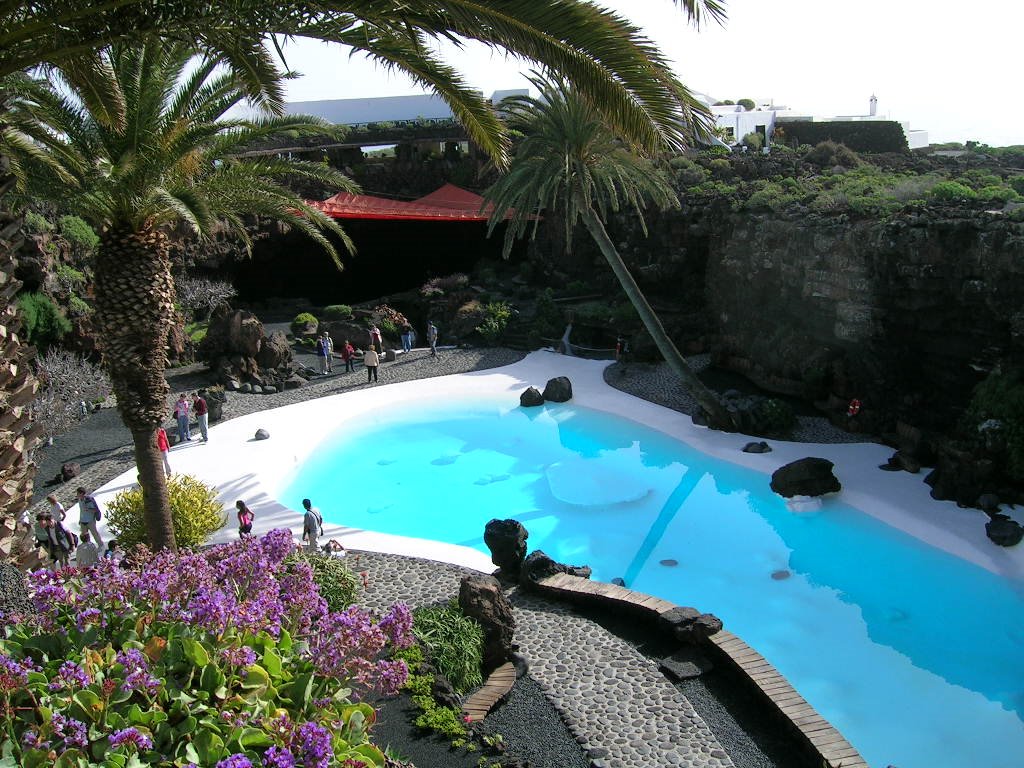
<point x="617" y="704"/>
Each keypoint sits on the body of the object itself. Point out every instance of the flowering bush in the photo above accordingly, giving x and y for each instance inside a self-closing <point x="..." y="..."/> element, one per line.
<point x="195" y="513"/>
<point x="224" y="658"/>
<point x="440" y="286"/>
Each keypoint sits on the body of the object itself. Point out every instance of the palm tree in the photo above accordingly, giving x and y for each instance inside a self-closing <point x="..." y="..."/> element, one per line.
<point x="603" y="55"/>
<point x="171" y="160"/>
<point x="570" y="164"/>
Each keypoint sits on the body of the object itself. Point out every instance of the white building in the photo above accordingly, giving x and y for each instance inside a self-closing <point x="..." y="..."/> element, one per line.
<point x="737" y="122"/>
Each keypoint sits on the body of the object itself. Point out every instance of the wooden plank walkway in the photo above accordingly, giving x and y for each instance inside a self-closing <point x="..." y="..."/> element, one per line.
<point x="835" y="751"/>
<point x="494" y="689"/>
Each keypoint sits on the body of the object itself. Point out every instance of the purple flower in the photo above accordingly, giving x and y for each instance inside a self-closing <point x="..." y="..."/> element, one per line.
<point x="397" y="625"/>
<point x="70" y="675"/>
<point x="278" y="757"/>
<point x="236" y="760"/>
<point x="391" y="675"/>
<point x="313" y="742"/>
<point x="137" y="675"/>
<point x="72" y="731"/>
<point x="239" y="657"/>
<point x="89" y="616"/>
<point x="13" y="673"/>
<point x="133" y="737"/>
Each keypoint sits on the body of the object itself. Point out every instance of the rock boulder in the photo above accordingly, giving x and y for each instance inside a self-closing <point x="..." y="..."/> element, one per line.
<point x="531" y="397"/>
<point x="507" y="541"/>
<point x="481" y="598"/>
<point x="558" y="390"/>
<point x="539" y="566"/>
<point x="805" y="477"/>
<point x="1003" y="530"/>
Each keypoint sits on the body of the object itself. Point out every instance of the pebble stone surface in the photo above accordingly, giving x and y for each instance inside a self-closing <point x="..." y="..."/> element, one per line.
<point x="622" y="711"/>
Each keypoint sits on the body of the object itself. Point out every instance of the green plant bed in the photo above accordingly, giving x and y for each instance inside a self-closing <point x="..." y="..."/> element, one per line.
<point x="195" y="513"/>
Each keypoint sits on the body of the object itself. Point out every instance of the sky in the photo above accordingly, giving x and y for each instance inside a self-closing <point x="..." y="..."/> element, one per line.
<point x="946" y="67"/>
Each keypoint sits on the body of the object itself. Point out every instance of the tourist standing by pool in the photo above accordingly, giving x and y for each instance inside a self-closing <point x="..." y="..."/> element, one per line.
<point x="348" y="354"/>
<point x="202" y="414"/>
<point x="371" y="360"/>
<point x="328" y="350"/>
<point x="432" y="337"/>
<point x="89" y="513"/>
<point x="312" y="525"/>
<point x="164" y="445"/>
<point x="321" y="353"/>
<point x="376" y="340"/>
<point x="406" y="338"/>
<point x="181" y="414"/>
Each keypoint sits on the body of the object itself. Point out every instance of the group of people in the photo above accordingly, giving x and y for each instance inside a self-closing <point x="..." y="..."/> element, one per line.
<point x="182" y="414"/>
<point x="59" y="542"/>
<point x="374" y="350"/>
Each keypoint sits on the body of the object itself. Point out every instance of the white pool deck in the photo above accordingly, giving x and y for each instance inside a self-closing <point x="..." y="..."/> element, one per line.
<point x="244" y="468"/>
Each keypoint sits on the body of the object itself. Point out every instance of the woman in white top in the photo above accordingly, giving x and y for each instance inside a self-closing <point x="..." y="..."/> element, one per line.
<point x="56" y="508"/>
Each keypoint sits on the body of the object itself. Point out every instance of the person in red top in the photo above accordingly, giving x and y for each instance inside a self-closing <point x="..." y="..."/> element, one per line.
<point x="164" y="446"/>
<point x="348" y="354"/>
<point x="202" y="414"/>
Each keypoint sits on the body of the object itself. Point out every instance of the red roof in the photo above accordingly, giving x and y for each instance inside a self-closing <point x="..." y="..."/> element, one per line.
<point x="449" y="203"/>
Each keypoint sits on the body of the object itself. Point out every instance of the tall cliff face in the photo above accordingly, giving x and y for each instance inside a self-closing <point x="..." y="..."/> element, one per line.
<point x="907" y="313"/>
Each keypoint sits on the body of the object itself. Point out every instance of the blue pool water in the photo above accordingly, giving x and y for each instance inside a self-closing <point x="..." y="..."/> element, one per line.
<point x="915" y="655"/>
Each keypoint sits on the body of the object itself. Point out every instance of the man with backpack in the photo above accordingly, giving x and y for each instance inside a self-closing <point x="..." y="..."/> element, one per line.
<point x="312" y="525"/>
<point x="89" y="514"/>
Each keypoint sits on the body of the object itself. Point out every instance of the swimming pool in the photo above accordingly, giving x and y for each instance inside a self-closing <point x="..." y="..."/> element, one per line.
<point x="912" y="653"/>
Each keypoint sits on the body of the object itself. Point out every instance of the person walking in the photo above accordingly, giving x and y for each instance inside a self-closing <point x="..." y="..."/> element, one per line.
<point x="245" y="518"/>
<point x="348" y="355"/>
<point x="164" y="445"/>
<point x="406" y="337"/>
<point x="328" y="350"/>
<point x="321" y="354"/>
<point x="89" y="514"/>
<point x="86" y="555"/>
<point x="312" y="525"/>
<point x="371" y="360"/>
<point x="51" y="536"/>
<point x="57" y="509"/>
<point x="181" y="414"/>
<point x="432" y="337"/>
<point x="202" y="414"/>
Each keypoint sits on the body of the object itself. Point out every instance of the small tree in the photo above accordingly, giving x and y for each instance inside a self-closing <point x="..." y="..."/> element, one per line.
<point x="747" y="104"/>
<point x="68" y="380"/>
<point x="201" y="295"/>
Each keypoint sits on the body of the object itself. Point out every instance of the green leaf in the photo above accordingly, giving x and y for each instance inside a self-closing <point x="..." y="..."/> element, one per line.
<point x="211" y="679"/>
<point x="71" y="758"/>
<point x="210" y="747"/>
<point x="254" y="737"/>
<point x="194" y="651"/>
<point x="301" y="690"/>
<point x="272" y="663"/>
<point x="255" y="677"/>
<point x="91" y="704"/>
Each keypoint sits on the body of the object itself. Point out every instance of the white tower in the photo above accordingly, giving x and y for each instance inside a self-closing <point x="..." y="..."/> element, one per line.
<point x="873" y="109"/>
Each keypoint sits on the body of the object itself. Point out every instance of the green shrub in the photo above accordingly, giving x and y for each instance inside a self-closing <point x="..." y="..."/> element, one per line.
<point x="43" y="320"/>
<point x="70" y="277"/>
<point x="747" y="104"/>
<point x="79" y="306"/>
<point x="548" y="320"/>
<point x="77" y="232"/>
<point x="337" y="583"/>
<point x="1000" y="397"/>
<point x="388" y="327"/>
<point x="951" y="191"/>
<point x="441" y="720"/>
<point x="302" y="320"/>
<point x="498" y="314"/>
<point x="1017" y="183"/>
<point x="197" y="331"/>
<point x="195" y="513"/>
<point x="774" y="416"/>
<point x="858" y="135"/>
<point x="720" y="167"/>
<point x="827" y="154"/>
<point x="754" y="141"/>
<point x="337" y="312"/>
<point x="37" y="224"/>
<point x="997" y="193"/>
<point x="455" y="642"/>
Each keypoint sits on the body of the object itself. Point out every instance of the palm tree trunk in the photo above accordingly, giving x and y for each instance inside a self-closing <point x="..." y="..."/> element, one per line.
<point x="18" y="385"/>
<point x="718" y="416"/>
<point x="134" y="308"/>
